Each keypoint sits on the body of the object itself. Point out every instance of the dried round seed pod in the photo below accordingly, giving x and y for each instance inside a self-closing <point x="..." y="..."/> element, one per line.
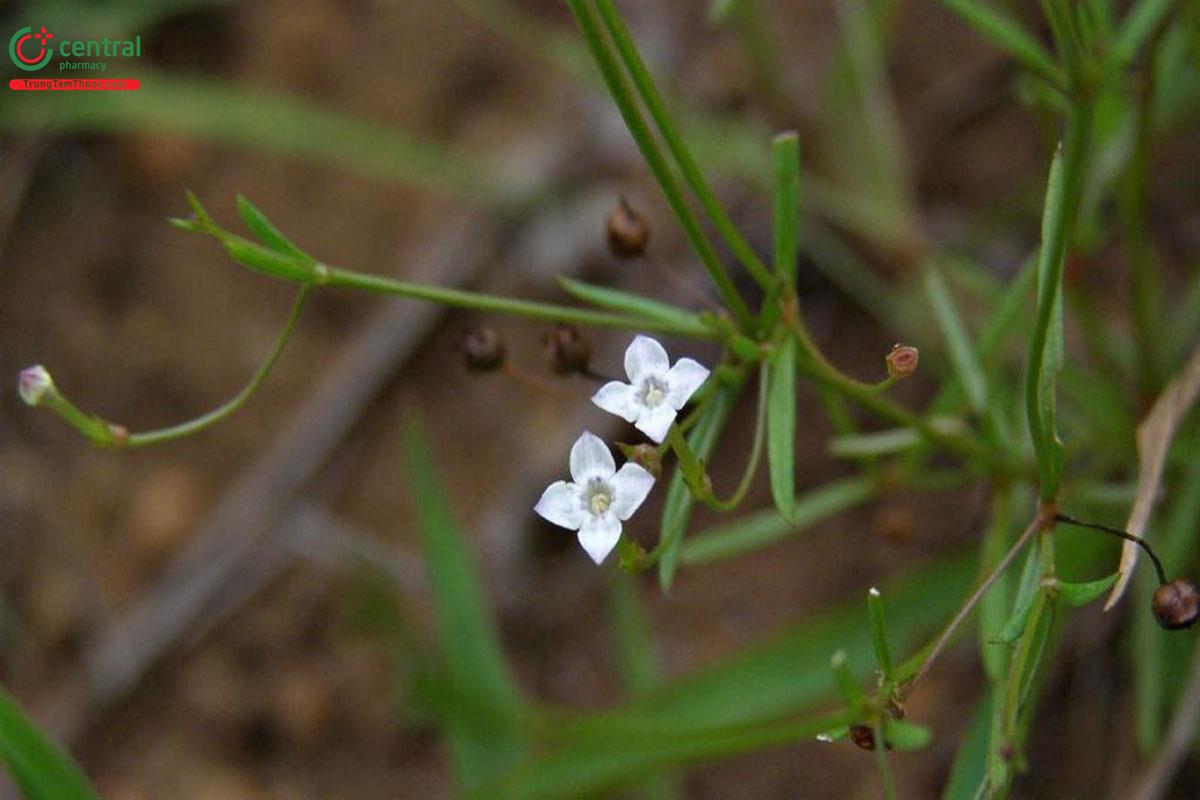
<point x="1176" y="604"/>
<point x="482" y="349"/>
<point x="902" y="361"/>
<point x="567" y="350"/>
<point x="628" y="231"/>
<point x="862" y="736"/>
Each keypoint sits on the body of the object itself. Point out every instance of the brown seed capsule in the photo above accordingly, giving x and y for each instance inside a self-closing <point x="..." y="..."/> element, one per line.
<point x="862" y="736"/>
<point x="482" y="349"/>
<point x="567" y="350"/>
<point x="628" y="231"/>
<point x="1176" y="604"/>
<point x="902" y="361"/>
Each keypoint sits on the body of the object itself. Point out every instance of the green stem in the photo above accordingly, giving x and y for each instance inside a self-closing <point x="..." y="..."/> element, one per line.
<point x="657" y="162"/>
<point x="238" y="400"/>
<point x="887" y="782"/>
<point x="814" y="365"/>
<point x="460" y="298"/>
<point x="687" y="164"/>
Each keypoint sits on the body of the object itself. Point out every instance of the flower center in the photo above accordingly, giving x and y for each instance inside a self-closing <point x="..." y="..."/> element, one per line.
<point x="598" y="497"/>
<point x="653" y="393"/>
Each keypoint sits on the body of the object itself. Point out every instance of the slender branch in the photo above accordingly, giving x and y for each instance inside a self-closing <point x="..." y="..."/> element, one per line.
<point x="1039" y="523"/>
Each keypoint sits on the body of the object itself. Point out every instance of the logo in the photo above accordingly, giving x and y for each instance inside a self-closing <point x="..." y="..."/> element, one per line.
<point x="31" y="55"/>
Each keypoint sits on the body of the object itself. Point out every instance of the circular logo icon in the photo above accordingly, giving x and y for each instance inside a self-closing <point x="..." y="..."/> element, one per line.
<point x="31" y="51"/>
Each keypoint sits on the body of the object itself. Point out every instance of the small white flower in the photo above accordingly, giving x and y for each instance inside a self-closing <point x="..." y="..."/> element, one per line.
<point x="656" y="391"/>
<point x="33" y="383"/>
<point x="598" y="498"/>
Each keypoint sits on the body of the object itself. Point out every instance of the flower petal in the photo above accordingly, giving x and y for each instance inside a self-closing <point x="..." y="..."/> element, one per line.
<point x="683" y="380"/>
<point x="655" y="422"/>
<point x="630" y="486"/>
<point x="562" y="504"/>
<point x="618" y="398"/>
<point x="599" y="536"/>
<point x="590" y="458"/>
<point x="645" y="356"/>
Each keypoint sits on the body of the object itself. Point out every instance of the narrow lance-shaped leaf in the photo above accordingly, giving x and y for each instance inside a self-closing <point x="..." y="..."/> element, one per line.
<point x="36" y="764"/>
<point x="879" y="635"/>
<point x="483" y="700"/>
<point x="781" y="426"/>
<point x="958" y="342"/>
<point x="1045" y="353"/>
<point x="266" y="232"/>
<point x="1080" y="594"/>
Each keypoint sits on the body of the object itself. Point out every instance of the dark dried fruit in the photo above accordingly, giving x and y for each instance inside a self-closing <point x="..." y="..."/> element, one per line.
<point x="482" y="349"/>
<point x="628" y="231"/>
<point x="1176" y="604"/>
<point x="567" y="350"/>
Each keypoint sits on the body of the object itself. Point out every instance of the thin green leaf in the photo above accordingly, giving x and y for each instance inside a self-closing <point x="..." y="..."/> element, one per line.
<point x="1045" y="350"/>
<point x="1080" y="594"/>
<point x="766" y="527"/>
<point x="483" y="698"/>
<point x="266" y="232"/>
<point x="677" y="508"/>
<point x="1141" y="21"/>
<point x="905" y="735"/>
<point x="879" y="634"/>
<point x="962" y="353"/>
<point x="1007" y="34"/>
<point x="785" y="151"/>
<point x="632" y="304"/>
<point x="38" y="766"/>
<point x="890" y="442"/>
<point x="781" y="426"/>
<point x="847" y="684"/>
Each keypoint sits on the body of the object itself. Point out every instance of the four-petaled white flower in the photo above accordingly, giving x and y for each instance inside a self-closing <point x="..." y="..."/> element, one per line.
<point x="656" y="391"/>
<point x="598" y="498"/>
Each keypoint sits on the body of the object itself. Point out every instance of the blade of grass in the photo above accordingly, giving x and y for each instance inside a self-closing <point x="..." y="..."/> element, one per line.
<point x="484" y="698"/>
<point x="38" y="766"/>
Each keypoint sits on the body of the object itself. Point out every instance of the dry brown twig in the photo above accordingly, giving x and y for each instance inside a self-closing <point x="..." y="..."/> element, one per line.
<point x="1154" y="436"/>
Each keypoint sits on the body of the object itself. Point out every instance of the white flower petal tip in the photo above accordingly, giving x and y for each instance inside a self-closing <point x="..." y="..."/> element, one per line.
<point x="873" y="592"/>
<point x="824" y="737"/>
<point x="656" y="391"/>
<point x="597" y="499"/>
<point x="33" y="383"/>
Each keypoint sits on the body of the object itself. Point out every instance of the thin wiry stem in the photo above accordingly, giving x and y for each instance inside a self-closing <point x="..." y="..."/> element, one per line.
<point x="1129" y="537"/>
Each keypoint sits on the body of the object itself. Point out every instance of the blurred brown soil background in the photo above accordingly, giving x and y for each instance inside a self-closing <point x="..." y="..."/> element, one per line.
<point x="292" y="693"/>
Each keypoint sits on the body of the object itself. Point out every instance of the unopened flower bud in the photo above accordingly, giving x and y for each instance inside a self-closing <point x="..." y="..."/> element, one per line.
<point x="567" y="350"/>
<point x="33" y="383"/>
<point x="1176" y="604"/>
<point x="646" y="456"/>
<point x="902" y="361"/>
<point x="482" y="349"/>
<point x="628" y="232"/>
